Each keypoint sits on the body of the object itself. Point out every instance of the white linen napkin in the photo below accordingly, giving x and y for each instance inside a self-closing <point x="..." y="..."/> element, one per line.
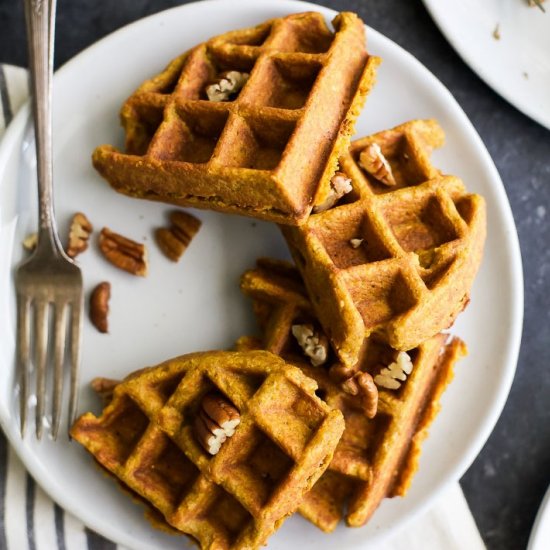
<point x="32" y="520"/>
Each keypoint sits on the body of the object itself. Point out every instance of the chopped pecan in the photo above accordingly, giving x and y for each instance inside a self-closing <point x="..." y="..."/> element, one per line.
<point x="340" y="185"/>
<point x="375" y="163"/>
<point x="174" y="241"/>
<point x="390" y="377"/>
<point x="123" y="253"/>
<point x="79" y="234"/>
<point x="226" y="85"/>
<point x="216" y="421"/>
<point x="99" y="306"/>
<point x="313" y="343"/>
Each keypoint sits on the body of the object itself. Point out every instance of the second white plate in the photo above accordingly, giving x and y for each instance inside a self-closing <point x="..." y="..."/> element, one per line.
<point x="506" y="43"/>
<point x="196" y="304"/>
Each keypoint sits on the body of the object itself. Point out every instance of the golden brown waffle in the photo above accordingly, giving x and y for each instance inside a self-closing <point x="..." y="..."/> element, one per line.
<point x="375" y="458"/>
<point x="419" y="245"/>
<point x="236" y="499"/>
<point x="279" y="301"/>
<point x="268" y="151"/>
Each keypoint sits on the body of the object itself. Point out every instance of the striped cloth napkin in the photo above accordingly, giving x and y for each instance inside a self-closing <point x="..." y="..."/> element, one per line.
<point x="29" y="519"/>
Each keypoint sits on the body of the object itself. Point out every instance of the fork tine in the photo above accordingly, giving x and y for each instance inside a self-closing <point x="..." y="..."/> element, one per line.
<point x="59" y="356"/>
<point x="23" y="363"/>
<point x="76" y="336"/>
<point x="41" y="343"/>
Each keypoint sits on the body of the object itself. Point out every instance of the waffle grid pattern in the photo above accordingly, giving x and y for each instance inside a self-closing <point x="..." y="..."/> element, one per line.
<point x="237" y="498"/>
<point x="422" y="242"/>
<point x="268" y="150"/>
<point x="375" y="458"/>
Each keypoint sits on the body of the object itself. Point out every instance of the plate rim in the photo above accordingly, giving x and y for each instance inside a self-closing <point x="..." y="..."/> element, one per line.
<point x="433" y="7"/>
<point x="17" y="126"/>
<point x="543" y="514"/>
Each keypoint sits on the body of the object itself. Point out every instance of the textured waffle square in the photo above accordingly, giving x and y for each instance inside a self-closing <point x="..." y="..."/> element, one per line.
<point x="396" y="261"/>
<point x="145" y="437"/>
<point x="376" y="457"/>
<point x="268" y="151"/>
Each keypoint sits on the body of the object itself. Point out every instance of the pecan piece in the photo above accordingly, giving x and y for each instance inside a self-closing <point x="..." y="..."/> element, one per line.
<point x="362" y="385"/>
<point x="226" y="85"/>
<point x="375" y="163"/>
<point x="313" y="343"/>
<point x="79" y="234"/>
<point x="340" y="185"/>
<point x="390" y="377"/>
<point x="174" y="241"/>
<point x="123" y="253"/>
<point x="99" y="306"/>
<point x="216" y="421"/>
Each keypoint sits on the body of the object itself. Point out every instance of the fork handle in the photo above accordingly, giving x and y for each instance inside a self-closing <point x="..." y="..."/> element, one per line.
<point x="40" y="20"/>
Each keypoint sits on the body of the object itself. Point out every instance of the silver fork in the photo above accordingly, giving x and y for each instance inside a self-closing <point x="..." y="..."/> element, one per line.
<point x="48" y="282"/>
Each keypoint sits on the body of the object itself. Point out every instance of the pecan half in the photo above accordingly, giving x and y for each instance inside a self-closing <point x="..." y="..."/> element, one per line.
<point x="216" y="421"/>
<point x="123" y="253"/>
<point x="174" y="241"/>
<point x="362" y="385"/>
<point x="99" y="306"/>
<point x="226" y="85"/>
<point x="79" y="234"/>
<point x="375" y="163"/>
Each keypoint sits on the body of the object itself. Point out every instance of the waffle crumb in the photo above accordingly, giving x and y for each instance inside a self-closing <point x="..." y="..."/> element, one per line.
<point x="30" y="242"/>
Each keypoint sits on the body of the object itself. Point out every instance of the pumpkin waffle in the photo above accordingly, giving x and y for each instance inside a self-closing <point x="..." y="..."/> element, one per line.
<point x="394" y="259"/>
<point x="378" y="457"/>
<point x="268" y="151"/>
<point x="146" y="437"/>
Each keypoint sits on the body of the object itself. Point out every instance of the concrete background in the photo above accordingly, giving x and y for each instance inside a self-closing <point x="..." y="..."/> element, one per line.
<point x="506" y="483"/>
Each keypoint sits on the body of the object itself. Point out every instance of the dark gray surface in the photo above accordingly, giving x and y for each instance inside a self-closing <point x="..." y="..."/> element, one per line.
<point x="506" y="483"/>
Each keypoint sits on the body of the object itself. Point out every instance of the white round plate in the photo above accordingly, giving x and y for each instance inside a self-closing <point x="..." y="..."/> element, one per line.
<point x="196" y="304"/>
<point x="540" y="534"/>
<point x="517" y="66"/>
